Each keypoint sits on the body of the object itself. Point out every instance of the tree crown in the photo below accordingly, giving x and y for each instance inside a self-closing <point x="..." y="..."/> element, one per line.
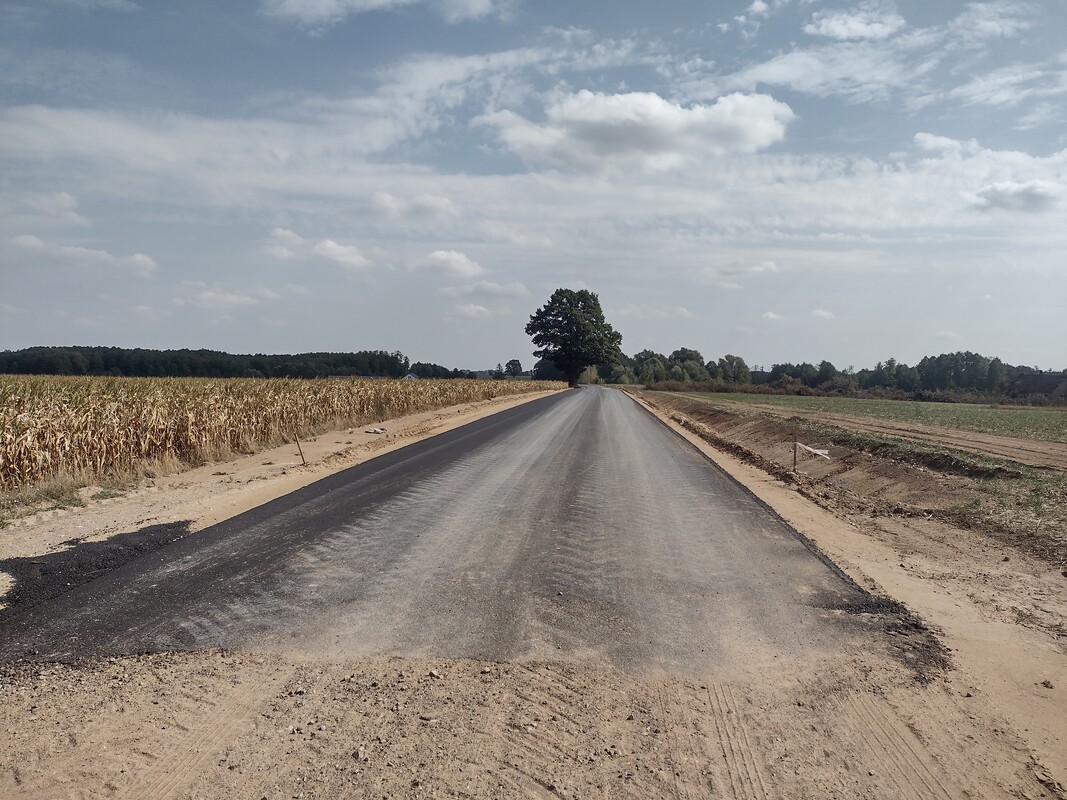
<point x="571" y="332"/>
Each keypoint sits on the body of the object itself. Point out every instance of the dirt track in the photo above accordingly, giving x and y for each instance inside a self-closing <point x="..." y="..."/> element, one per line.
<point x="577" y="605"/>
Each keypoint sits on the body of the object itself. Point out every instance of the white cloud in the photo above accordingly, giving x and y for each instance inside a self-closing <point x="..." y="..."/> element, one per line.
<point x="473" y="311"/>
<point x="591" y="130"/>
<point x="216" y="300"/>
<point x="868" y="20"/>
<point x="642" y="311"/>
<point x="345" y="255"/>
<point x="28" y="242"/>
<point x="874" y="56"/>
<point x="1030" y="196"/>
<point x="996" y="20"/>
<point x="460" y="10"/>
<point x="321" y="14"/>
<point x="819" y="313"/>
<point x="771" y="315"/>
<point x="286" y="237"/>
<point x="947" y="146"/>
<point x="1041" y="114"/>
<point x="862" y="70"/>
<point x="138" y="263"/>
<point x="452" y="262"/>
<point x="59" y="205"/>
<point x="421" y="206"/>
<point x="487" y="289"/>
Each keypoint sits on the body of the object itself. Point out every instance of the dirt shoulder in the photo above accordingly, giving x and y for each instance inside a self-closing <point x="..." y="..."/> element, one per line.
<point x="1000" y="606"/>
<point x="201" y="497"/>
<point x="1031" y="452"/>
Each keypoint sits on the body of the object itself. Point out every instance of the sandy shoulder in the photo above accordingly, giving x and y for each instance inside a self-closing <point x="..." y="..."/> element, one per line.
<point x="218" y="491"/>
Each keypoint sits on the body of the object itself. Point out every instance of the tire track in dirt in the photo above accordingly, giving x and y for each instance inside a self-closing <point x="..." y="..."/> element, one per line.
<point x="895" y="748"/>
<point x="220" y="722"/>
<point x="745" y="778"/>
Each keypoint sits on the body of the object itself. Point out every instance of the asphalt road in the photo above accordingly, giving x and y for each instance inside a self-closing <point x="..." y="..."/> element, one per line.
<point x="574" y="526"/>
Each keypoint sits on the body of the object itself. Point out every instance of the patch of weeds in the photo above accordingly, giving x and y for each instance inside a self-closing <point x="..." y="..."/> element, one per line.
<point x="55" y="494"/>
<point x="105" y="494"/>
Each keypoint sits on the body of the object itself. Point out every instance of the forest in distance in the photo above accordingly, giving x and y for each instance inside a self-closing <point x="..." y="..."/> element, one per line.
<point x="959" y="376"/>
<point x="945" y="376"/>
<point x="148" y="363"/>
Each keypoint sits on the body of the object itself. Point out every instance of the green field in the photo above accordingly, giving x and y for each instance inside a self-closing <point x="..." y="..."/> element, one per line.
<point x="1045" y="424"/>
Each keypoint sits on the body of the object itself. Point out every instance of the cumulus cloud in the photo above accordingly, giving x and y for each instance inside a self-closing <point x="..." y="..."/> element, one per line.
<point x="819" y="313"/>
<point x="771" y="316"/>
<point x="946" y="146"/>
<point x="284" y="243"/>
<point x="286" y="237"/>
<point x="452" y="262"/>
<point x="590" y="130"/>
<point x="472" y="311"/>
<point x="865" y="21"/>
<point x="138" y="263"/>
<point x="345" y="255"/>
<point x="1031" y="196"/>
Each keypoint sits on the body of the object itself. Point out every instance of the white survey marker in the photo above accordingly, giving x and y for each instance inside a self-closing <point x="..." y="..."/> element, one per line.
<point x="824" y="453"/>
<point x="820" y="453"/>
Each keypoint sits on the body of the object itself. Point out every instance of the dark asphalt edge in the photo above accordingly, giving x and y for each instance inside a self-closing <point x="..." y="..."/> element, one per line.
<point x="878" y="603"/>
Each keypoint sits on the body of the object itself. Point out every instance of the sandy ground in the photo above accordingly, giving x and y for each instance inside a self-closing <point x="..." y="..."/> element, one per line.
<point x="245" y="724"/>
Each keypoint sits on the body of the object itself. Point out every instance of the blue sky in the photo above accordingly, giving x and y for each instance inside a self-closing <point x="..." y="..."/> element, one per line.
<point x="786" y="180"/>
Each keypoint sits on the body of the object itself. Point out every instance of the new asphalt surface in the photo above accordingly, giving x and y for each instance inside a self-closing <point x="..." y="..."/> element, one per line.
<point x="574" y="526"/>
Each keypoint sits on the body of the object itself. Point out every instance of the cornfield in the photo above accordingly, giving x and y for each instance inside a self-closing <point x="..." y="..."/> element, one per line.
<point x="52" y="426"/>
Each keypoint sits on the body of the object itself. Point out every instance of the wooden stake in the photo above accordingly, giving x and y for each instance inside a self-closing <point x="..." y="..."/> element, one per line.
<point x="301" y="450"/>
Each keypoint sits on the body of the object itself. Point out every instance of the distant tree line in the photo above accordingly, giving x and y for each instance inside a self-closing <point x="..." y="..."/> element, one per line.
<point x="948" y="372"/>
<point x="648" y="367"/>
<point x="120" y="361"/>
<point x="959" y="373"/>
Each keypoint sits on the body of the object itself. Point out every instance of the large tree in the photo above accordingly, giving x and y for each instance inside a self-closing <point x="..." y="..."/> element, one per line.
<point x="571" y="332"/>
